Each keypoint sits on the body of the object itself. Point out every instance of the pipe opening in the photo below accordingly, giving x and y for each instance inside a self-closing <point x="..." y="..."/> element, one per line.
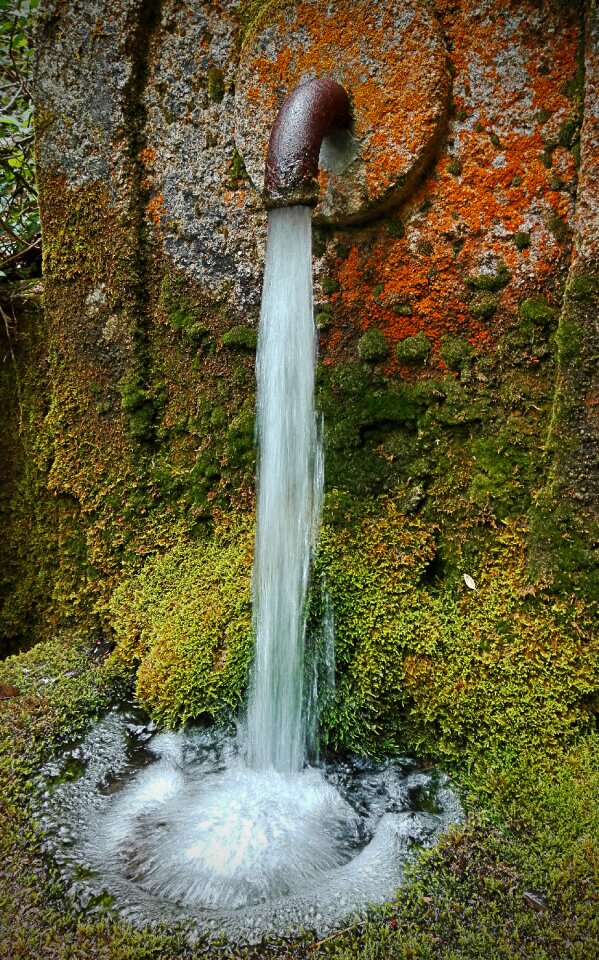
<point x="310" y="112"/>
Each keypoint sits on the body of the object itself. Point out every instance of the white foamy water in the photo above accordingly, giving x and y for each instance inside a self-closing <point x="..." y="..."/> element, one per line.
<point x="175" y="827"/>
<point x="289" y="493"/>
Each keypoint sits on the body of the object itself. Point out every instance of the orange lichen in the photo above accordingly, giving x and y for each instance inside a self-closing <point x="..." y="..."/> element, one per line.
<point x="491" y="184"/>
<point x="156" y="210"/>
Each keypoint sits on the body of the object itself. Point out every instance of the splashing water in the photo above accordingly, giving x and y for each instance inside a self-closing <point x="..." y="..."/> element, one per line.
<point x="174" y="827"/>
<point x="289" y="492"/>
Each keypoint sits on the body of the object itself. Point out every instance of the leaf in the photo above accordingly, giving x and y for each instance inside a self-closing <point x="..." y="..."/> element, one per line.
<point x="470" y="583"/>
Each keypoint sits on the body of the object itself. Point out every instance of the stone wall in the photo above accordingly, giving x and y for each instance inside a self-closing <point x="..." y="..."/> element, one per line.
<point x="457" y="328"/>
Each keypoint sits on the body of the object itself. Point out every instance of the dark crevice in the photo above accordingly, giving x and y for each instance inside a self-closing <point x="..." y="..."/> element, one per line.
<point x="139" y="402"/>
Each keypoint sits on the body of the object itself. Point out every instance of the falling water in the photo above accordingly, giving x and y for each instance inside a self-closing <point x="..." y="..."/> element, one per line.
<point x="289" y="492"/>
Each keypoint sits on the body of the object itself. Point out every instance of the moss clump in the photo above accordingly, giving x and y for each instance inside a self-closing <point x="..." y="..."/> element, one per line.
<point x="323" y="319"/>
<point x="456" y="351"/>
<point x="370" y="569"/>
<point x="215" y="84"/>
<point x="402" y="309"/>
<point x="455" y="167"/>
<point x="542" y="116"/>
<point x="490" y="282"/>
<point x="330" y="285"/>
<point x="140" y="406"/>
<point x="483" y="306"/>
<point x="185" y="621"/>
<point x="582" y="288"/>
<point x="536" y="310"/>
<point x="455" y="673"/>
<point x="521" y="240"/>
<point x="414" y="349"/>
<point x="373" y="346"/>
<point x="237" y="173"/>
<point x="396" y="228"/>
<point x="558" y="227"/>
<point x="241" y="338"/>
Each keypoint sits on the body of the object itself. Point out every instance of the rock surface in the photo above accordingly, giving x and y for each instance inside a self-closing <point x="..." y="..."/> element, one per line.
<point x="140" y="416"/>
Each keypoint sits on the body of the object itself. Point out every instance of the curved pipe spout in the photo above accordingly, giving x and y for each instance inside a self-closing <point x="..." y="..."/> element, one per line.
<point x="307" y="115"/>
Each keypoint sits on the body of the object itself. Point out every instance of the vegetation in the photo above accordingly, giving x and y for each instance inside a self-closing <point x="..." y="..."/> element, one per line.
<point x="19" y="217"/>
<point x="184" y="622"/>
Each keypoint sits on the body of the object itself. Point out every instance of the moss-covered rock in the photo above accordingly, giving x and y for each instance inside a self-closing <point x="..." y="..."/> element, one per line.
<point x="492" y="281"/>
<point x="536" y="310"/>
<point x="483" y="306"/>
<point x="456" y="351"/>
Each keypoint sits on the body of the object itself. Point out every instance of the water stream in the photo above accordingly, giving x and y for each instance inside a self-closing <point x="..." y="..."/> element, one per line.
<point x="290" y="479"/>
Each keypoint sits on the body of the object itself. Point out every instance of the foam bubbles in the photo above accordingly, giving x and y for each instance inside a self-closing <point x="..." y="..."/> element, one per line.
<point x="178" y="828"/>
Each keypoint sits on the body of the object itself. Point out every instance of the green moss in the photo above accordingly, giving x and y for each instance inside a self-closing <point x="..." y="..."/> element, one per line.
<point x="495" y="140"/>
<point x="414" y="349"/>
<point x="396" y="228"/>
<point x="241" y="338"/>
<point x="370" y="570"/>
<point x="455" y="167"/>
<point x="583" y="288"/>
<point x="542" y="116"/>
<point x="521" y="240"/>
<point x="536" y="310"/>
<point x="557" y="226"/>
<point x="330" y="285"/>
<point x="185" y="621"/>
<point x="480" y="670"/>
<point x="483" y="306"/>
<point x="402" y="309"/>
<point x="490" y="281"/>
<point x="236" y="170"/>
<point x="456" y="351"/>
<point x="140" y="406"/>
<point x="323" y="319"/>
<point x="215" y="84"/>
<point x="373" y="346"/>
<point x="349" y="379"/>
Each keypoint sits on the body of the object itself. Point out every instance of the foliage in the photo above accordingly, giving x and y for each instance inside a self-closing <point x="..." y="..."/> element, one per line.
<point x="19" y="217"/>
<point x="184" y="620"/>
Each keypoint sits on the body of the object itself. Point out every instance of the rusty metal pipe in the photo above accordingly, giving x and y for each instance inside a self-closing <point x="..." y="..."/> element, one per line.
<point x="309" y="112"/>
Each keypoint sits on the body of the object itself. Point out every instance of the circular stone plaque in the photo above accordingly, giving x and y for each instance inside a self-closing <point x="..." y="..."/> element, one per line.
<point x="392" y="61"/>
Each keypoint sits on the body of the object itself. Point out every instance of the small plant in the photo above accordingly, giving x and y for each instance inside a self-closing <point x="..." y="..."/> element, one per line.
<point x="456" y="351"/>
<point x="19" y="215"/>
<point x="483" y="306"/>
<point x="521" y="240"/>
<point x="490" y="281"/>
